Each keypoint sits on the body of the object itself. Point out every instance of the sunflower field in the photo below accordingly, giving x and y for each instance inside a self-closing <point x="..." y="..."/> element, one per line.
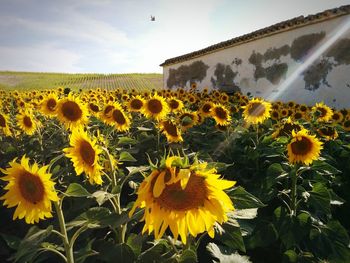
<point x="171" y="176"/>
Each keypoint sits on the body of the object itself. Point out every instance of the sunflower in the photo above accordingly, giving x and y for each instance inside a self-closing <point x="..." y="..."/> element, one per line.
<point x="328" y="132"/>
<point x="322" y="112"/>
<point x="205" y="90"/>
<point x="297" y="115"/>
<point x="84" y="153"/>
<point x="275" y="115"/>
<point x="188" y="119"/>
<point x="256" y="111"/>
<point x="337" y="117"/>
<point x="345" y="112"/>
<point x="286" y="128"/>
<point x="94" y="109"/>
<point x="135" y="104"/>
<point x="346" y="124"/>
<point x="304" y="147"/>
<point x="291" y="104"/>
<point x="224" y="98"/>
<point x="192" y="99"/>
<point x="106" y="113"/>
<point x="170" y="130"/>
<point x="205" y="108"/>
<point x="72" y="113"/>
<point x="26" y="122"/>
<point x="221" y="114"/>
<point x="187" y="199"/>
<point x="175" y="105"/>
<point x="283" y="113"/>
<point x="156" y="107"/>
<point x="119" y="119"/>
<point x="180" y="92"/>
<point x="303" y="108"/>
<point x="30" y="189"/>
<point x="49" y="105"/>
<point x="4" y="124"/>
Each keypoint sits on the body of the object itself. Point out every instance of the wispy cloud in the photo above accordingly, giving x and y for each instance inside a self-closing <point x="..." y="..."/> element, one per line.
<point x="75" y="27"/>
<point x="45" y="57"/>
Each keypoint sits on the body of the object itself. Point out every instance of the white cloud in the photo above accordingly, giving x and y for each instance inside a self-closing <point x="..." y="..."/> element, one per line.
<point x="45" y="57"/>
<point x="74" y="26"/>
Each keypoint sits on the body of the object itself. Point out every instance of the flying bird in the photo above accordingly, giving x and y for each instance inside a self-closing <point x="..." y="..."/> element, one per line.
<point x="153" y="18"/>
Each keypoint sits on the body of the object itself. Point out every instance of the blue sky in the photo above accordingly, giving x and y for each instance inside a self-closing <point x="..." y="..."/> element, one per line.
<point x="113" y="36"/>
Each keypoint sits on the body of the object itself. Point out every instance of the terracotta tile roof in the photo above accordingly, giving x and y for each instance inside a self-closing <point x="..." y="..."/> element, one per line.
<point x="296" y="22"/>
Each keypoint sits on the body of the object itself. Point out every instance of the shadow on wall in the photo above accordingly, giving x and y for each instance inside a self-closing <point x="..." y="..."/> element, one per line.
<point x="192" y="73"/>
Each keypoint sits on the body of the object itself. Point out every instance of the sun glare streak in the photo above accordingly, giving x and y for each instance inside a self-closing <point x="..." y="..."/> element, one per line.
<point x="321" y="48"/>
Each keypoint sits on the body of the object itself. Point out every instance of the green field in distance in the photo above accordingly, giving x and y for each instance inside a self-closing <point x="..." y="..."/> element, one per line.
<point x="10" y="80"/>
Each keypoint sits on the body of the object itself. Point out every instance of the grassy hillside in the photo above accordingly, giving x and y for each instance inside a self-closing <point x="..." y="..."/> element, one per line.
<point x="33" y="80"/>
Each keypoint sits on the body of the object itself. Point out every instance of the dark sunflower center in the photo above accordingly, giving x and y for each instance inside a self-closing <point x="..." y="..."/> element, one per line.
<point x="136" y="104"/>
<point x="301" y="147"/>
<point x="27" y="122"/>
<point x="108" y="109"/>
<point x="322" y="111"/>
<point x="303" y="108"/>
<point x="170" y="128"/>
<point x="327" y="131"/>
<point x="51" y="104"/>
<point x="335" y="116"/>
<point x="71" y="111"/>
<point x="288" y="128"/>
<point x="274" y="114"/>
<point x="347" y="124"/>
<point x="154" y="106"/>
<point x="87" y="153"/>
<point x="174" y="104"/>
<point x="256" y="109"/>
<point x="118" y="117"/>
<point x="220" y="113"/>
<point x="298" y="115"/>
<point x="31" y="187"/>
<point x="193" y="196"/>
<point x="206" y="108"/>
<point x="2" y="121"/>
<point x="94" y="107"/>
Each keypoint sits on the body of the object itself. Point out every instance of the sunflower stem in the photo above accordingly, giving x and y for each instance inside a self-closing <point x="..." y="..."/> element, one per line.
<point x="158" y="139"/>
<point x="114" y="179"/>
<point x="116" y="199"/>
<point x="293" y="198"/>
<point x="56" y="252"/>
<point x="172" y="243"/>
<point x="68" y="249"/>
<point x="40" y="136"/>
<point x="256" y="148"/>
<point x="76" y="235"/>
<point x="58" y="233"/>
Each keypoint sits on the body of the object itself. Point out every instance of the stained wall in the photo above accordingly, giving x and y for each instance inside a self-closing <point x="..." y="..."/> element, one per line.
<point x="307" y="64"/>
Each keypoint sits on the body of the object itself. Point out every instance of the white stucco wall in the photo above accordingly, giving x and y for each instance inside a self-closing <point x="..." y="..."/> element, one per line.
<point x="333" y="86"/>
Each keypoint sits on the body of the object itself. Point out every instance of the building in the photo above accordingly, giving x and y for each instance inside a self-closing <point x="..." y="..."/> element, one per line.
<point x="305" y="59"/>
